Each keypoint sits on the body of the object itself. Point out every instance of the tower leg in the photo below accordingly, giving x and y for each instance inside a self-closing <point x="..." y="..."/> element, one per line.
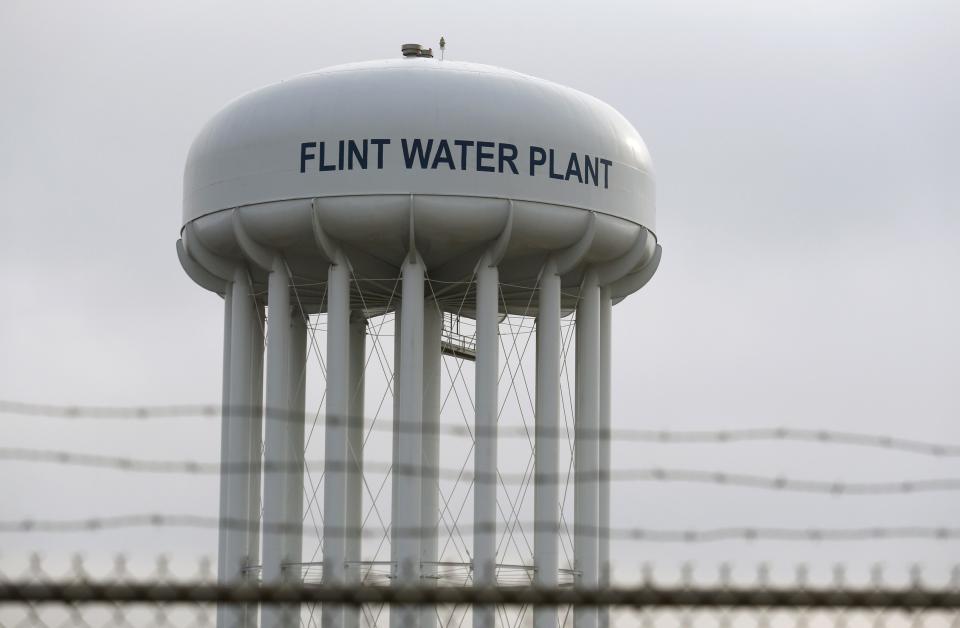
<point x="335" y="445"/>
<point x="298" y="386"/>
<point x="292" y="550"/>
<point x="606" y="316"/>
<point x="406" y="550"/>
<point x="293" y="542"/>
<point x="430" y="456"/>
<point x="546" y="497"/>
<point x="225" y="397"/>
<point x="225" y="413"/>
<point x="355" y="435"/>
<point x="240" y="445"/>
<point x="225" y="541"/>
<point x="586" y="446"/>
<point x="278" y="455"/>
<point x="395" y="454"/>
<point x="485" y="431"/>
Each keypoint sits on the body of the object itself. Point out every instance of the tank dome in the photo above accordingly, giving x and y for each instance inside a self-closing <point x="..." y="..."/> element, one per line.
<point x="420" y="126"/>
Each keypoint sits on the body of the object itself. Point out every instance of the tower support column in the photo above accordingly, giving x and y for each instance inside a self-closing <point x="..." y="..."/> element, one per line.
<point x="279" y="523"/>
<point x="546" y="496"/>
<point x="226" y="412"/>
<point x="294" y="486"/>
<point x="407" y="463"/>
<point x="604" y="466"/>
<point x="335" y="444"/>
<point x="485" y="432"/>
<point x="430" y="455"/>
<point x="239" y="532"/>
<point x="395" y="450"/>
<point x="586" y="445"/>
<point x="355" y="436"/>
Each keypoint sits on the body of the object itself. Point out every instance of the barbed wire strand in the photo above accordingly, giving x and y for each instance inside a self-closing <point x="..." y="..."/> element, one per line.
<point x="159" y="520"/>
<point x="653" y="474"/>
<point x="739" y="435"/>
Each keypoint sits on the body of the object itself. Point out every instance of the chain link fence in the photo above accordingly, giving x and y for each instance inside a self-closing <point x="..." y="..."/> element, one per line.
<point x="119" y="596"/>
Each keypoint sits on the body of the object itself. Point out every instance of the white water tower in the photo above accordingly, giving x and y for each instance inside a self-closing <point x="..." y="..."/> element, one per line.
<point x="441" y="194"/>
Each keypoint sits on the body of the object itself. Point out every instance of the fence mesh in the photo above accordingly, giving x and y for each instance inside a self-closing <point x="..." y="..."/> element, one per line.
<point x="159" y="595"/>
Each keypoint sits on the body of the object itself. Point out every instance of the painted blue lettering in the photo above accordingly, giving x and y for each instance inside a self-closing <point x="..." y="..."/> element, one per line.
<point x="507" y="158"/>
<point x="321" y="150"/>
<point x="380" y="143"/>
<point x="553" y="175"/>
<point x="538" y="157"/>
<point x="464" y="145"/>
<point x="591" y="168"/>
<point x="443" y="156"/>
<point x="355" y="152"/>
<point x="481" y="155"/>
<point x="606" y="164"/>
<point x="415" y="150"/>
<point x="304" y="155"/>
<point x="573" y="168"/>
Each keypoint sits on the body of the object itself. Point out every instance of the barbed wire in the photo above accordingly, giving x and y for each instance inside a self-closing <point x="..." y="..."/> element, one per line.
<point x="170" y="411"/>
<point x="160" y="520"/>
<point x="654" y="474"/>
<point x="353" y="595"/>
<point x="817" y="436"/>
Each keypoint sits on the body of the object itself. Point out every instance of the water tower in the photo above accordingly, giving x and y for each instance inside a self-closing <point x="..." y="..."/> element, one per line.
<point x="449" y="197"/>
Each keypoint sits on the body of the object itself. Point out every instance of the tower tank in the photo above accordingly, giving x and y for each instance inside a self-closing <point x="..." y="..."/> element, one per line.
<point x="436" y="192"/>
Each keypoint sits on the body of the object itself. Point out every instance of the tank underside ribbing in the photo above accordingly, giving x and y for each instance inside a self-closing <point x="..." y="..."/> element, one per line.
<point x="449" y="233"/>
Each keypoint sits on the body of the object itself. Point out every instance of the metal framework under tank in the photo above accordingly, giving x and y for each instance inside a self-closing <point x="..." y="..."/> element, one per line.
<point x="496" y="255"/>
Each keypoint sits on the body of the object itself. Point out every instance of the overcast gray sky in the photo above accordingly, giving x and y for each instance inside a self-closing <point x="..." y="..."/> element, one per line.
<point x="807" y="165"/>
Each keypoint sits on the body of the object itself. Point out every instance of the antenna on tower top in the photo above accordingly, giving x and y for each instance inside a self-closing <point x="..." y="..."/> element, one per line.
<point x="443" y="46"/>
